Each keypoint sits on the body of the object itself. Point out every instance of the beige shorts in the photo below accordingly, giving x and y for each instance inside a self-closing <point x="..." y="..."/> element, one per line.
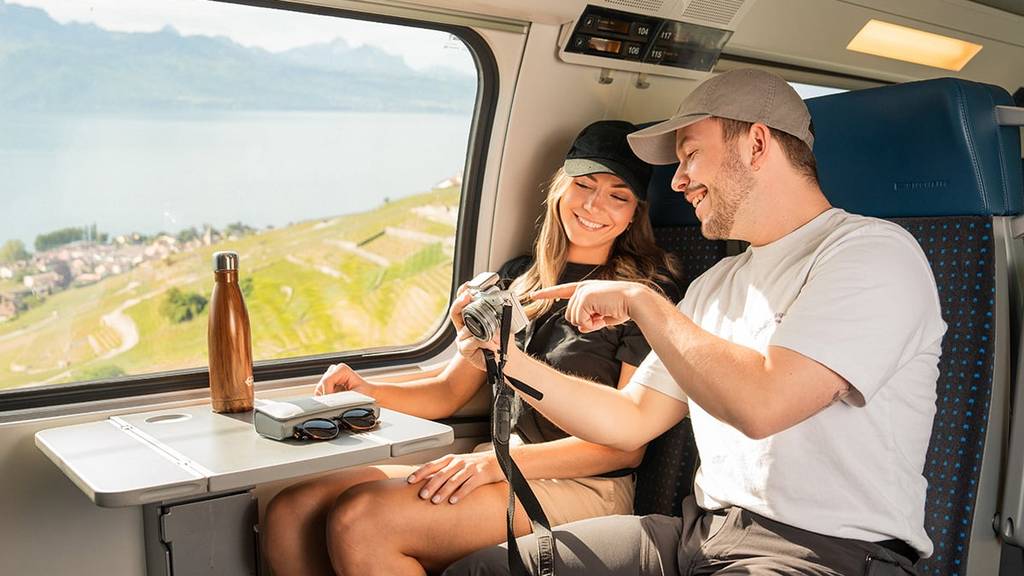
<point x="570" y="499"/>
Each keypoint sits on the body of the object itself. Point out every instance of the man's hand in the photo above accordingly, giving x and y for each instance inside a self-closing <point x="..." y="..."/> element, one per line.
<point x="451" y="478"/>
<point x="340" y="377"/>
<point x="593" y="304"/>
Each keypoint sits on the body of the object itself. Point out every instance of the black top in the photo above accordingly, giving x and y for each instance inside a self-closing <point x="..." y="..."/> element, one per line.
<point x="597" y="356"/>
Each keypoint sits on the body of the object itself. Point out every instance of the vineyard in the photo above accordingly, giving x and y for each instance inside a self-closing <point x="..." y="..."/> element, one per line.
<point x="378" y="278"/>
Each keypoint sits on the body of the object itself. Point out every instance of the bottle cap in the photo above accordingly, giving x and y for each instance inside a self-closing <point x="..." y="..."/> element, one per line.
<point x="225" y="261"/>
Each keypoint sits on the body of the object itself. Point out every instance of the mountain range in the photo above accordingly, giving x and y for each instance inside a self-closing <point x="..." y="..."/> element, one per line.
<point x="46" y="66"/>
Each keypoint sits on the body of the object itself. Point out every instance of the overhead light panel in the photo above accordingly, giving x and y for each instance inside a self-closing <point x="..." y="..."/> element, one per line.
<point x="912" y="45"/>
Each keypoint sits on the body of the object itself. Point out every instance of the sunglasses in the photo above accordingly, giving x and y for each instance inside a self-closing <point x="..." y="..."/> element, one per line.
<point x="356" y="419"/>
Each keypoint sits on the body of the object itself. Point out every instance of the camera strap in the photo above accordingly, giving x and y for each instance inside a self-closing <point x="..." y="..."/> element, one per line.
<point x="501" y="431"/>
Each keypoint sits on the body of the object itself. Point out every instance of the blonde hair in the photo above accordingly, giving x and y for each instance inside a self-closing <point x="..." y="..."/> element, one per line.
<point x="634" y="257"/>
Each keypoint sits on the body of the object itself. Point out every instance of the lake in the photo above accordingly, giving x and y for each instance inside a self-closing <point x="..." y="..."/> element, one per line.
<point x="168" y="172"/>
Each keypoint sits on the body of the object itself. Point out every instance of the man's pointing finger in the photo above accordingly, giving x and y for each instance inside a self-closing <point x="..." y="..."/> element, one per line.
<point x="560" y="291"/>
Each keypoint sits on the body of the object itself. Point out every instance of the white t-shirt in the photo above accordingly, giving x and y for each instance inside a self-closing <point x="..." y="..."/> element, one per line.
<point x="857" y="295"/>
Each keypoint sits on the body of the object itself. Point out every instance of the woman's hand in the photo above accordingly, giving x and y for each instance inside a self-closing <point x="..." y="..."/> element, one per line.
<point x="340" y="377"/>
<point x="451" y="478"/>
<point x="469" y="345"/>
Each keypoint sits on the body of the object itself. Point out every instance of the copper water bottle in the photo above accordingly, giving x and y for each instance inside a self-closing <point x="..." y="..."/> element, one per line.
<point x="229" y="339"/>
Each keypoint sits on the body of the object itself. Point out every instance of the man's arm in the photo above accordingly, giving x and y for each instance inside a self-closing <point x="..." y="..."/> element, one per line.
<point x="573" y="457"/>
<point x="759" y="395"/>
<point x="866" y="308"/>
<point x="624" y="419"/>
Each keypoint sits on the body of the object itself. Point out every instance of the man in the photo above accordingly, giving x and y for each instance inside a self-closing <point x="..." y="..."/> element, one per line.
<point x="807" y="365"/>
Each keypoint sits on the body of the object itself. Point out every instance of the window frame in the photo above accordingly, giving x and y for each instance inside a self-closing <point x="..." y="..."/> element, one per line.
<point x="193" y="379"/>
<point x="800" y="74"/>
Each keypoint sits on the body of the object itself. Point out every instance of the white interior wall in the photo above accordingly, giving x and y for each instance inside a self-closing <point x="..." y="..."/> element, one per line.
<point x="48" y="525"/>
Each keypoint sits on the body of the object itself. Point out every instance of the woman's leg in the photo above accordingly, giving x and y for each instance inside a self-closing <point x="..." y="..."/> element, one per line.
<point x="294" y="523"/>
<point x="385" y="528"/>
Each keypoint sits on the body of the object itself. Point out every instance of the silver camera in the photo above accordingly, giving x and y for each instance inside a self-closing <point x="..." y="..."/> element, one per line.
<point x="483" y="314"/>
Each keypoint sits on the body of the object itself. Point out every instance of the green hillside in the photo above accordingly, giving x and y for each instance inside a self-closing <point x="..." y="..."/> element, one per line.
<point x="321" y="286"/>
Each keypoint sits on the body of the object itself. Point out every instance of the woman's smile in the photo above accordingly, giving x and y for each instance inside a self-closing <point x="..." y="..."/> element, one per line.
<point x="588" y="224"/>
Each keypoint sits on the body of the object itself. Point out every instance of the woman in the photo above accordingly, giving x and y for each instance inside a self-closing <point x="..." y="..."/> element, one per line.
<point x="406" y="520"/>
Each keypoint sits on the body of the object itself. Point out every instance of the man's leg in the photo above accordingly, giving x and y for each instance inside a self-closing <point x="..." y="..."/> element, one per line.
<point x="751" y="545"/>
<point x="612" y="546"/>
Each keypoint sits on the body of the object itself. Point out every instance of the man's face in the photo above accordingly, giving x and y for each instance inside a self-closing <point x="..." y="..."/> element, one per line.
<point x="712" y="175"/>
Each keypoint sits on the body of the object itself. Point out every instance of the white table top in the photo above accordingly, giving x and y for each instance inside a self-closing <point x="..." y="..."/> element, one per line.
<point x="180" y="452"/>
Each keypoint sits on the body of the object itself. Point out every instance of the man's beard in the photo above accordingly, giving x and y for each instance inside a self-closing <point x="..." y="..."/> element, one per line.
<point x="736" y="182"/>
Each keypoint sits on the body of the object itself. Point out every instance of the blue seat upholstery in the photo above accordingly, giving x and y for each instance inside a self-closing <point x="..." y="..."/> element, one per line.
<point x="665" y="476"/>
<point x="929" y="148"/>
<point x="931" y="157"/>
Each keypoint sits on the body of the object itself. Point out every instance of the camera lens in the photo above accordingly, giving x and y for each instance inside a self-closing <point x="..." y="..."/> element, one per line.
<point x="481" y="318"/>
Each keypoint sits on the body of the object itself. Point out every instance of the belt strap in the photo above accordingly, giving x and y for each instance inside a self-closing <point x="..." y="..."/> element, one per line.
<point x="501" y="431"/>
<point x="902" y="548"/>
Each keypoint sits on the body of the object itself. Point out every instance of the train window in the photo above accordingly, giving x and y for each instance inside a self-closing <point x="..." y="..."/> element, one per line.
<point x="812" y="90"/>
<point x="138" y="138"/>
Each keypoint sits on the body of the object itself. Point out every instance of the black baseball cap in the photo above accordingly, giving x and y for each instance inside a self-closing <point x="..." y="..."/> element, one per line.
<point x="602" y="148"/>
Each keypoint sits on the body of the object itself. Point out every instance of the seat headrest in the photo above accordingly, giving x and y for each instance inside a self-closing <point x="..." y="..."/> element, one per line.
<point x="667" y="207"/>
<point x="930" y="148"/>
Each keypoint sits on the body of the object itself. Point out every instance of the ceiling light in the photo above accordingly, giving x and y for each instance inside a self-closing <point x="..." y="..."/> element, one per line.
<point x="912" y="45"/>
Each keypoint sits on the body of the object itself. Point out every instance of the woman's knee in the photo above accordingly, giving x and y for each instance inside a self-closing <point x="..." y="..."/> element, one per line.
<point x="314" y="497"/>
<point x="358" y="528"/>
<point x="294" y="503"/>
<point x="356" y="513"/>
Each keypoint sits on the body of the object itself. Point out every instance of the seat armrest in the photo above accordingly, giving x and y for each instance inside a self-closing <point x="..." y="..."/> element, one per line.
<point x="1010" y="115"/>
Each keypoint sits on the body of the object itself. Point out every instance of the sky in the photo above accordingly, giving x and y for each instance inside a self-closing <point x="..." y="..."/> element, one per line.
<point x="274" y="30"/>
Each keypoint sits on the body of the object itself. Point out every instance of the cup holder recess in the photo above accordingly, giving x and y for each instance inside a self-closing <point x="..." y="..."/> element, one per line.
<point x="167" y="418"/>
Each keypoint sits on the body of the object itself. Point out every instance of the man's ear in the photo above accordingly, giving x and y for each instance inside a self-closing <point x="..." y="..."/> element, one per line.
<point x="760" y="138"/>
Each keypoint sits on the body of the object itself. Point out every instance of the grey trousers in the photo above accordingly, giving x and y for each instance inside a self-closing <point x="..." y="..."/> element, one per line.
<point x="731" y="542"/>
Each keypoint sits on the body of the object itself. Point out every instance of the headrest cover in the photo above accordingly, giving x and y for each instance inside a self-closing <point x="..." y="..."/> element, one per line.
<point x="668" y="208"/>
<point x="930" y="148"/>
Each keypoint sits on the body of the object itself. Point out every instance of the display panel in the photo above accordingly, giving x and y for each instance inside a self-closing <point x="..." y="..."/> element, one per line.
<point x="646" y="40"/>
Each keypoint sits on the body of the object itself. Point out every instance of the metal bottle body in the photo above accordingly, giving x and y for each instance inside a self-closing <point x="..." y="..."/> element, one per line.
<point x="230" y="346"/>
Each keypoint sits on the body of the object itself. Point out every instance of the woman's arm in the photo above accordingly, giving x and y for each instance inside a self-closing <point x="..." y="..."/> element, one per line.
<point x="433" y="371"/>
<point x="432" y="397"/>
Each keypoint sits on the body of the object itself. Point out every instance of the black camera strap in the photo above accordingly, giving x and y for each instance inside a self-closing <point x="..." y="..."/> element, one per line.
<point x="501" y="431"/>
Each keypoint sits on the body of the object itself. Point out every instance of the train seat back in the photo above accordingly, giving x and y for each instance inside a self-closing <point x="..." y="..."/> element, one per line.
<point x="931" y="157"/>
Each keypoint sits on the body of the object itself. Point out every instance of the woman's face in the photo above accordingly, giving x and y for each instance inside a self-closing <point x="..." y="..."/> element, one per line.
<point x="595" y="209"/>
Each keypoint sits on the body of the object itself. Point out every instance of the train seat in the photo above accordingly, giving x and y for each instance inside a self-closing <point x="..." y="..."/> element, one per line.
<point x="931" y="157"/>
<point x="665" y="475"/>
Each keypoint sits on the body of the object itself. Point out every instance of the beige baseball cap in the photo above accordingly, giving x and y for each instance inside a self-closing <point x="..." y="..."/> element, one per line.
<point x="746" y="94"/>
